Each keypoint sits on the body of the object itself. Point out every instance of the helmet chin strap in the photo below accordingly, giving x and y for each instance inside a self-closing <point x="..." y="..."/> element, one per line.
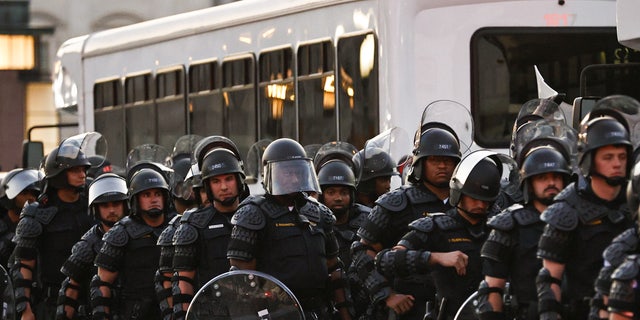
<point x="227" y="202"/>
<point x="614" y="181"/>
<point x="153" y="212"/>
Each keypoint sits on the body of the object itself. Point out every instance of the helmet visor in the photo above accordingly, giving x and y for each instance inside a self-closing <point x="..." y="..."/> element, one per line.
<point x="291" y="176"/>
<point x="108" y="186"/>
<point x="21" y="181"/>
<point x="83" y="145"/>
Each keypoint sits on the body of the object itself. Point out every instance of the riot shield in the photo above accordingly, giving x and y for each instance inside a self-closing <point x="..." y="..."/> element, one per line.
<point x="244" y="294"/>
<point x="340" y="150"/>
<point x="556" y="134"/>
<point x="531" y="112"/>
<point x="150" y="156"/>
<point x="467" y="310"/>
<point x="8" y="299"/>
<point x="449" y="115"/>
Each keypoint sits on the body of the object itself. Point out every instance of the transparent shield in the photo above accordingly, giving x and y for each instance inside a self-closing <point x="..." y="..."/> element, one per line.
<point x="467" y="310"/>
<point x="91" y="144"/>
<point x="244" y="294"/>
<point x="533" y="111"/>
<point x="395" y="142"/>
<point x="253" y="166"/>
<point x="340" y="150"/>
<point x="151" y="156"/>
<point x="185" y="145"/>
<point x="291" y="176"/>
<point x="556" y="134"/>
<point x="449" y="115"/>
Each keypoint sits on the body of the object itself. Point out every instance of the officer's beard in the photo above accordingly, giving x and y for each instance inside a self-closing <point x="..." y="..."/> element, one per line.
<point x="547" y="201"/>
<point x="614" y="181"/>
<point x="441" y="185"/>
<point x="340" y="212"/>
<point x="108" y="224"/>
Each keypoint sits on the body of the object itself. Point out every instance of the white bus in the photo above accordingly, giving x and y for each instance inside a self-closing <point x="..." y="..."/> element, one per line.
<point x="324" y="70"/>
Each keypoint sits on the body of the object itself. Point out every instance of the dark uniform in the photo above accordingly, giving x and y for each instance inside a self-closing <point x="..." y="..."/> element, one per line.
<point x="130" y="251"/>
<point x="164" y="274"/>
<point x="389" y="221"/>
<point x="579" y="228"/>
<point x="510" y="253"/>
<point x="624" y="296"/>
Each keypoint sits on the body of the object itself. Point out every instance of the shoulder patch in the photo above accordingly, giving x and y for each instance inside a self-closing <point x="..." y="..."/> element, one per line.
<point x="502" y="221"/>
<point x="117" y="236"/>
<point x="186" y="234"/>
<point x="418" y="195"/>
<point x="561" y="216"/>
<point x="628" y="270"/>
<point x="395" y="200"/>
<point x="249" y="216"/>
<point x="445" y="222"/>
<point x="423" y="224"/>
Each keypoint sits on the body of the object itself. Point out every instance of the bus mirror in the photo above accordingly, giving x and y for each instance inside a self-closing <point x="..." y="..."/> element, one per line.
<point x="581" y="107"/>
<point x="32" y="154"/>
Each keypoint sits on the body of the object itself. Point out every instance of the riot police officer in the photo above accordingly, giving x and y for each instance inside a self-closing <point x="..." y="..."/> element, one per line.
<point x="509" y="254"/>
<point x="107" y="204"/>
<point x="202" y="237"/>
<point x="289" y="235"/>
<point x="50" y="227"/>
<point x="583" y="220"/>
<point x="376" y="168"/>
<point x="447" y="245"/>
<point x="18" y="187"/>
<point x="129" y="251"/>
<point x="435" y="156"/>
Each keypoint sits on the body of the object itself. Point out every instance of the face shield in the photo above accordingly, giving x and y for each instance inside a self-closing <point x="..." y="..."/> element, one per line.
<point x="24" y="179"/>
<point x="290" y="176"/>
<point x="112" y="188"/>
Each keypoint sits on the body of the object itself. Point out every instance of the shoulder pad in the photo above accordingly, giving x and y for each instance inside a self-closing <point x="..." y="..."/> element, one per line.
<point x="628" y="270"/>
<point x="249" y="216"/>
<point x="502" y="221"/>
<point x="360" y="214"/>
<point x="199" y="218"/>
<point x="317" y="212"/>
<point x="525" y="216"/>
<point x="82" y="251"/>
<point x="445" y="222"/>
<point x="417" y="194"/>
<point x="561" y="216"/>
<point x="622" y="245"/>
<point x="166" y="236"/>
<point x="270" y="208"/>
<point x="423" y="224"/>
<point x="136" y="229"/>
<point x="117" y="236"/>
<point x="395" y="200"/>
<point x="28" y="227"/>
<point x="568" y="192"/>
<point x="42" y="215"/>
<point x="186" y="234"/>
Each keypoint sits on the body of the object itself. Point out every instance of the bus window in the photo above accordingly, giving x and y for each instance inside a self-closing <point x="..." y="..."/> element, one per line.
<point x="170" y="106"/>
<point x="238" y="92"/>
<point x="357" y="83"/>
<point x="140" y="113"/>
<point x="205" y="99"/>
<point x="503" y="77"/>
<point x="316" y="93"/>
<point x="276" y="98"/>
<point x="109" y="117"/>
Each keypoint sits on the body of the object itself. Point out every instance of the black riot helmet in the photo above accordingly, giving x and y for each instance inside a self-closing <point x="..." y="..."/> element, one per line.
<point x="107" y="187"/>
<point x="211" y="142"/>
<point x="434" y="141"/>
<point x="72" y="152"/>
<point x="337" y="173"/>
<point x="596" y="133"/>
<point x="340" y="150"/>
<point x="477" y="176"/>
<point x="17" y="181"/>
<point x="145" y="179"/>
<point x="287" y="169"/>
<point x="181" y="167"/>
<point x="222" y="161"/>
<point x="539" y="160"/>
